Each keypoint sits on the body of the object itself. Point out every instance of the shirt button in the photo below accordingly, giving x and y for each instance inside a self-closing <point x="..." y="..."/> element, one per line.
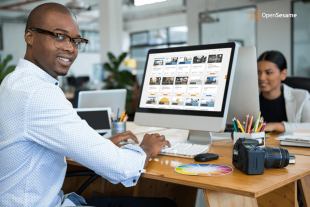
<point x="134" y="180"/>
<point x="56" y="83"/>
<point x="139" y="171"/>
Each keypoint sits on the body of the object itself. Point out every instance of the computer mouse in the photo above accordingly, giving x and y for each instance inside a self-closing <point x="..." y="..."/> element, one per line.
<point x="206" y="157"/>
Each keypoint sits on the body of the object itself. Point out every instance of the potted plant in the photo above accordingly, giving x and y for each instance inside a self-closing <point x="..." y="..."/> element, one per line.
<point x="3" y="70"/>
<point x="119" y="79"/>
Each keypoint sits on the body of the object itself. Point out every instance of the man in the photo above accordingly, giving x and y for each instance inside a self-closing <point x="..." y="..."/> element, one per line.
<point x="39" y="127"/>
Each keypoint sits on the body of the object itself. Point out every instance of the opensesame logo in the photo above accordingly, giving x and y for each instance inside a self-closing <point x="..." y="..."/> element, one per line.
<point x="257" y="14"/>
<point x="260" y="15"/>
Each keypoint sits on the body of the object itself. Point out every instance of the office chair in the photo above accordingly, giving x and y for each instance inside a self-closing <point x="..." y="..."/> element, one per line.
<point x="92" y="174"/>
<point x="298" y="82"/>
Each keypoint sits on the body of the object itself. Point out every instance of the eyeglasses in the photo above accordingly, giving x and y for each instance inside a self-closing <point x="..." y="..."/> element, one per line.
<point x="63" y="40"/>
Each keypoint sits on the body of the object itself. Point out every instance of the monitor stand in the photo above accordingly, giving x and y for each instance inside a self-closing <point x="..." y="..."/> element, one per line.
<point x="199" y="137"/>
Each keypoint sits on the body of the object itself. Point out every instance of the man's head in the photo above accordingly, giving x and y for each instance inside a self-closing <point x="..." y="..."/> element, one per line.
<point x="41" y="47"/>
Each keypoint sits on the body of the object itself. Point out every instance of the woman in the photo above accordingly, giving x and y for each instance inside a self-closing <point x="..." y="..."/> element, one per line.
<point x="284" y="109"/>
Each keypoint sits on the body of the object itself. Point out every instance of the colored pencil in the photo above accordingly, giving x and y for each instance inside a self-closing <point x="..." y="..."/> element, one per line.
<point x="235" y="127"/>
<point x="123" y="115"/>
<point x="259" y="128"/>
<point x="263" y="129"/>
<point x="117" y="114"/>
<point x="243" y="125"/>
<point x="250" y="125"/>
<point x="246" y="122"/>
<point x="256" y="122"/>
<point x="240" y="126"/>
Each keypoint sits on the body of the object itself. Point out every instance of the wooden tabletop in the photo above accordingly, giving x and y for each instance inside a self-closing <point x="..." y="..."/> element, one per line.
<point x="162" y="167"/>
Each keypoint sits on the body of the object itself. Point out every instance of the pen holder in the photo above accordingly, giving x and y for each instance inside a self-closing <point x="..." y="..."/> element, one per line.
<point x="118" y="127"/>
<point x="260" y="136"/>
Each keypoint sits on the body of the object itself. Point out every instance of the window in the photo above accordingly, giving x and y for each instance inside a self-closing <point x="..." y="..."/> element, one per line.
<point x="142" y="42"/>
<point x="301" y="38"/>
<point x="94" y="41"/>
<point x="230" y="25"/>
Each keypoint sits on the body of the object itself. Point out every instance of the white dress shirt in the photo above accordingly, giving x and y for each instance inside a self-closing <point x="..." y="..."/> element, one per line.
<point x="38" y="129"/>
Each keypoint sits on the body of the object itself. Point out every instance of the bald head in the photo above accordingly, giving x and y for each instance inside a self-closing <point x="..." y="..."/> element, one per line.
<point x="38" y="15"/>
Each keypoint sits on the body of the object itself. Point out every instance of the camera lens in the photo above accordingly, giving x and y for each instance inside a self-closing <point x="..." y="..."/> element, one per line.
<point x="276" y="157"/>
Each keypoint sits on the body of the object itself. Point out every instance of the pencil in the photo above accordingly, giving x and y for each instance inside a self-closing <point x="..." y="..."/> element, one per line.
<point x="235" y="127"/>
<point x="243" y="125"/>
<point x="259" y="128"/>
<point x="246" y="122"/>
<point x="263" y="129"/>
<point x="256" y="122"/>
<point x="250" y="125"/>
<point x="240" y="126"/>
<point x="123" y="115"/>
<point x="117" y="115"/>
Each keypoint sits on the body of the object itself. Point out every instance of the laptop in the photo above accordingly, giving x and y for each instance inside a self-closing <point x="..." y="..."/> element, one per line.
<point x="98" y="119"/>
<point x="114" y="98"/>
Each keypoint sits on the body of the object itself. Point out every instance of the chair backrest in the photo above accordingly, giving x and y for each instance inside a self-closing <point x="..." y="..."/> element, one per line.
<point x="298" y="82"/>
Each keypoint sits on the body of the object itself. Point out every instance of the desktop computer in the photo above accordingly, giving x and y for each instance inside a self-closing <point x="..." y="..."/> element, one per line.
<point x="190" y="90"/>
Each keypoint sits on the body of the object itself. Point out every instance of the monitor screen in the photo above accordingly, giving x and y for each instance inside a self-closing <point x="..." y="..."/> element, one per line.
<point x="191" y="82"/>
<point x="97" y="120"/>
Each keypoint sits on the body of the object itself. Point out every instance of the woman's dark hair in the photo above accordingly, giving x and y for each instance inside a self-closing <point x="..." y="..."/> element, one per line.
<point x="274" y="56"/>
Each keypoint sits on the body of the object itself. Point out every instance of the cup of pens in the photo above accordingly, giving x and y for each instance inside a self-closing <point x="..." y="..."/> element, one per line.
<point x="119" y="123"/>
<point x="250" y="129"/>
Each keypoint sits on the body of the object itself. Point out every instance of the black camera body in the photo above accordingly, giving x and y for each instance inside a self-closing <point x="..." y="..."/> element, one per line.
<point x="252" y="160"/>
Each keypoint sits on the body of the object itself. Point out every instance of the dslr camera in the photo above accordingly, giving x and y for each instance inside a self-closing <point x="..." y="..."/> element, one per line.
<point x="251" y="159"/>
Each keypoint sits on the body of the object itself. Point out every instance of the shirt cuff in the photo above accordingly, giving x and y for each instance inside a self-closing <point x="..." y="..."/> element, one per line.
<point x="134" y="180"/>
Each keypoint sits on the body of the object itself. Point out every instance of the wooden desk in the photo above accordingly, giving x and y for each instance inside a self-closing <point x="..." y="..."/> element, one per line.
<point x="274" y="187"/>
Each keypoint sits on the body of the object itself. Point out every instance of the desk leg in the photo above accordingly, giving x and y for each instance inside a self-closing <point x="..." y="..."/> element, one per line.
<point x="219" y="199"/>
<point x="305" y="190"/>
<point x="285" y="196"/>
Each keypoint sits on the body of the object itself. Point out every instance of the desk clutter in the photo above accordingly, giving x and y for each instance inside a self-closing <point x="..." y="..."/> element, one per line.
<point x="245" y="130"/>
<point x="118" y="123"/>
<point x="299" y="138"/>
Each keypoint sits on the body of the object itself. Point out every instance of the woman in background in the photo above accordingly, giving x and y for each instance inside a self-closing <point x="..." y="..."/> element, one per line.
<point x="285" y="109"/>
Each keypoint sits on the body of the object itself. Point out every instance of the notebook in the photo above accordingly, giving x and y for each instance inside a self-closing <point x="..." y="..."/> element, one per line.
<point x="299" y="138"/>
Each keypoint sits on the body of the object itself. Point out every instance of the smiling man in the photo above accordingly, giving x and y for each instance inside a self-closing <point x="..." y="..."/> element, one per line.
<point x="39" y="127"/>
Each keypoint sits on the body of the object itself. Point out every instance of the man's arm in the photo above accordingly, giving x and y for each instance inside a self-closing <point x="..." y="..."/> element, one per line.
<point x="52" y="123"/>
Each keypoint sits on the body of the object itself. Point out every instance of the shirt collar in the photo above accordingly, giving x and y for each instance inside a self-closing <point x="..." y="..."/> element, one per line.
<point x="29" y="67"/>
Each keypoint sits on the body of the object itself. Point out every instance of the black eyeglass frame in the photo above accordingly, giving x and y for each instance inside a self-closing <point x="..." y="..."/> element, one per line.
<point x="43" y="31"/>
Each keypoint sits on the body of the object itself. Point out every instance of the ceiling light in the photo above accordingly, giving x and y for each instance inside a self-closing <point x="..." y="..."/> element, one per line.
<point x="206" y="18"/>
<point x="144" y="2"/>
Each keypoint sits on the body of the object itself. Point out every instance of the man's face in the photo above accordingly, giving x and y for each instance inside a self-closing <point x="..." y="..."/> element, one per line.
<point x="53" y="60"/>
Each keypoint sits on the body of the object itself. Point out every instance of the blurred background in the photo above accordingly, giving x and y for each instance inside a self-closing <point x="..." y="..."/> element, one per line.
<point x="135" y="26"/>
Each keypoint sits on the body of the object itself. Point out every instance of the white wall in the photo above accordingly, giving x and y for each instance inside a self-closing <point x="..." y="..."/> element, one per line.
<point x="272" y="34"/>
<point x="14" y="44"/>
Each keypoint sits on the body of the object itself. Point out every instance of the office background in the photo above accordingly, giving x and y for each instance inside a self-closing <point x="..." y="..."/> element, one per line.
<point x="135" y="26"/>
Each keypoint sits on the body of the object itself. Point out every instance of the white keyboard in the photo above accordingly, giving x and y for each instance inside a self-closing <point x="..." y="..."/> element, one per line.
<point x="184" y="149"/>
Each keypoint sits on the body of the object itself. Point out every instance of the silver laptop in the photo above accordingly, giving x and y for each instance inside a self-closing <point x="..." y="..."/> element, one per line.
<point x="114" y="98"/>
<point x="98" y="119"/>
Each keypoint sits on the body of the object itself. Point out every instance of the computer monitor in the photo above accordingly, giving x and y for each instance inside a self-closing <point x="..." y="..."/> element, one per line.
<point x="190" y="90"/>
<point x="114" y="98"/>
<point x="245" y="92"/>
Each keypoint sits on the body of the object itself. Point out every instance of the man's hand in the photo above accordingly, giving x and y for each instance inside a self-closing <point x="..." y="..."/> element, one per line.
<point x="116" y="139"/>
<point x="152" y="144"/>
